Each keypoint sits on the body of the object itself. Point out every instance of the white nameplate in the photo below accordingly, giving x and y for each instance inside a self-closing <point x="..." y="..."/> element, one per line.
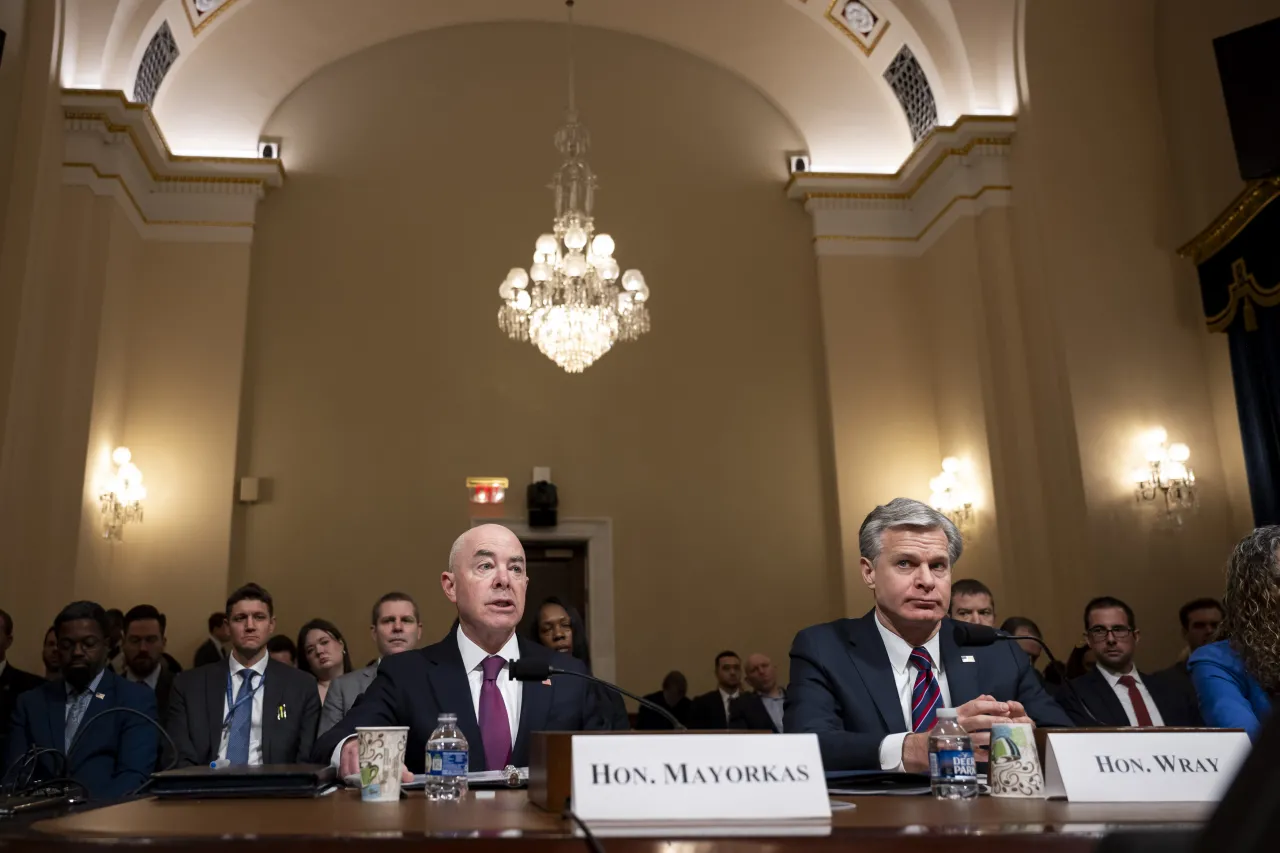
<point x="1142" y="766"/>
<point x="699" y="778"/>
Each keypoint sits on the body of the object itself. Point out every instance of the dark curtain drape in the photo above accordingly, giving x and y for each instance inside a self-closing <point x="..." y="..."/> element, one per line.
<point x="1240" y="285"/>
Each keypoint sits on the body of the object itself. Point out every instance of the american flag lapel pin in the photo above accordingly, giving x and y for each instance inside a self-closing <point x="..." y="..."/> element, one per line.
<point x="99" y="696"/>
<point x="966" y="659"/>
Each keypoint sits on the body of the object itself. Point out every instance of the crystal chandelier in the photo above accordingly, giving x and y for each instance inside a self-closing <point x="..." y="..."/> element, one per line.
<point x="572" y="302"/>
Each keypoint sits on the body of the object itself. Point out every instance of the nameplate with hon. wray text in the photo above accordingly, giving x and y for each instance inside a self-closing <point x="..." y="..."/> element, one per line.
<point x="696" y="778"/>
<point x="1142" y="765"/>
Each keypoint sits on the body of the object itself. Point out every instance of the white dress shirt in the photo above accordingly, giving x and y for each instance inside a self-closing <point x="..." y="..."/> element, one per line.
<point x="255" y="721"/>
<point x="726" y="699"/>
<point x="1122" y="693"/>
<point x="904" y="678"/>
<point x="151" y="680"/>
<point x="512" y="691"/>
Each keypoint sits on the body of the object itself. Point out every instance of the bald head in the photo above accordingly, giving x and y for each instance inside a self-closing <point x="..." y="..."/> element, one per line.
<point x="761" y="675"/>
<point x="487" y="580"/>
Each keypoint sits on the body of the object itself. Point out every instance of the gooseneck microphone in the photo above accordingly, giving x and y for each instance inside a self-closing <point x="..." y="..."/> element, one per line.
<point x="529" y="670"/>
<point x="969" y="634"/>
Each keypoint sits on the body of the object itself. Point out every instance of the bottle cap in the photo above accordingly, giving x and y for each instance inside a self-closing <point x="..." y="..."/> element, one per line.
<point x="447" y="718"/>
<point x="947" y="713"/>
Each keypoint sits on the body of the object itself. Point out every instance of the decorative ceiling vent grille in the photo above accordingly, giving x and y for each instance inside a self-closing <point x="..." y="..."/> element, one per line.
<point x="905" y="76"/>
<point x="156" y="61"/>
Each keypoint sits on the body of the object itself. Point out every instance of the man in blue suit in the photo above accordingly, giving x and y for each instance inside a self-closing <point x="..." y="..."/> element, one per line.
<point x="870" y="687"/>
<point x="467" y="673"/>
<point x="109" y="755"/>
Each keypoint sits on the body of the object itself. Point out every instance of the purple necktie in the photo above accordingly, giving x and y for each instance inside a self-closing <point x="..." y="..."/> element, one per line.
<point x="495" y="726"/>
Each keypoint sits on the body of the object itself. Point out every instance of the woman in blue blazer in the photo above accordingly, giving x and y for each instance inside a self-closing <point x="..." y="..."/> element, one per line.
<point x="1237" y="679"/>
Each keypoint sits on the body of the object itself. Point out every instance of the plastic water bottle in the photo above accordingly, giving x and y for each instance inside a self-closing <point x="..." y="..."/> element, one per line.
<point x="446" y="761"/>
<point x="952" y="771"/>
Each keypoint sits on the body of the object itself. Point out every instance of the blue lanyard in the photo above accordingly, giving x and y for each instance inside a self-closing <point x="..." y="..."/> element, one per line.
<point x="245" y="695"/>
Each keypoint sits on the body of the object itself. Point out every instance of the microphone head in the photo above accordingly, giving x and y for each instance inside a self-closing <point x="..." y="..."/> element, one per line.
<point x="523" y="669"/>
<point x="969" y="634"/>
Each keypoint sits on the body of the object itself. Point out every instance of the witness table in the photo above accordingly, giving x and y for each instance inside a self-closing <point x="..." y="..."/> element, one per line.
<point x="341" y="823"/>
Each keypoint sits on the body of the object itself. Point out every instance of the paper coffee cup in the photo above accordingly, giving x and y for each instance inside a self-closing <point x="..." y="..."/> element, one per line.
<point x="1014" y="768"/>
<point x="381" y="757"/>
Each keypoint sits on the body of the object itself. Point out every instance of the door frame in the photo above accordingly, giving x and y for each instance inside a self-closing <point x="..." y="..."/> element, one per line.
<point x="598" y="534"/>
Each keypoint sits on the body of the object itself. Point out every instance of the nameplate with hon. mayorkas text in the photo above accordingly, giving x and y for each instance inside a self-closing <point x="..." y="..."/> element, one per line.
<point x="699" y="778"/>
<point x="1142" y="765"/>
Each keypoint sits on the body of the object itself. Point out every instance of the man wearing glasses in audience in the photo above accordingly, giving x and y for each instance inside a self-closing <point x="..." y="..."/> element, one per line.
<point x="1115" y="692"/>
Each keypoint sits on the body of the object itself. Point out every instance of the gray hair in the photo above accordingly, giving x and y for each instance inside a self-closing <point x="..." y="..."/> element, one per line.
<point x="904" y="512"/>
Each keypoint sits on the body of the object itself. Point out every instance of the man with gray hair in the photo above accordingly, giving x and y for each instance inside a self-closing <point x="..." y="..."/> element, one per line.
<point x="870" y="688"/>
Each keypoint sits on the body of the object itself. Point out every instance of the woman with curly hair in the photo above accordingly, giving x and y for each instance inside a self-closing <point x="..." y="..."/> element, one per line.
<point x="1238" y="677"/>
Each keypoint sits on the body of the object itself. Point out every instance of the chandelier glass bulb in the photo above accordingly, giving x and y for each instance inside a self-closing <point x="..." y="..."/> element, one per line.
<point x="571" y="304"/>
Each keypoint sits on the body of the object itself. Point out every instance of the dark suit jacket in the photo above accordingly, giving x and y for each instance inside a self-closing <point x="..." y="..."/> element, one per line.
<point x="843" y="689"/>
<point x="209" y="652"/>
<point x="748" y="712"/>
<point x="707" y="712"/>
<point x="196" y="713"/>
<point x="647" y="720"/>
<point x="413" y="688"/>
<point x="1174" y="696"/>
<point x="13" y="683"/>
<point x="113" y="756"/>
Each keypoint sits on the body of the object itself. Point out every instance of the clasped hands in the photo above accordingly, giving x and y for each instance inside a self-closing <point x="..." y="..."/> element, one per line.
<point x="975" y="717"/>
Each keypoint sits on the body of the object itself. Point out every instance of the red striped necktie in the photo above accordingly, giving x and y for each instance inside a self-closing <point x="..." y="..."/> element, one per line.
<point x="926" y="695"/>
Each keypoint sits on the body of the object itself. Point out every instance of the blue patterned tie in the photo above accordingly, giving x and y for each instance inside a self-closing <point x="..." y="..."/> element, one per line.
<point x="241" y="722"/>
<point x="77" y="703"/>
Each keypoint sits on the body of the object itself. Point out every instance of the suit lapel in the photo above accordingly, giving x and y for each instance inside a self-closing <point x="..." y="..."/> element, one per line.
<point x="1105" y="695"/>
<point x="869" y="657"/>
<point x="56" y="693"/>
<point x="453" y="692"/>
<point x="535" y="704"/>
<point x="215" y="686"/>
<point x="272" y="699"/>
<point x="962" y="678"/>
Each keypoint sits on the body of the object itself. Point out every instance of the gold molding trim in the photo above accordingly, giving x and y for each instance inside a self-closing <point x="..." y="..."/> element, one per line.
<point x="164" y="143"/>
<point x="915" y="153"/>
<point x="138" y="208"/>
<point x="924" y="177"/>
<point x="877" y="34"/>
<point x="1251" y="201"/>
<point x="1243" y="291"/>
<point x="853" y="238"/>
<point x="196" y="28"/>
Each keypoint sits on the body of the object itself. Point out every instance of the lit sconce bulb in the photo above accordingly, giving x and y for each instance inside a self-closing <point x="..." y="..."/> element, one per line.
<point x="547" y="245"/>
<point x="1179" y="452"/>
<point x="632" y="279"/>
<point x="505" y="289"/>
<point x="1156" y="454"/>
<point x="1156" y="437"/>
<point x="608" y="269"/>
<point x="1141" y="475"/>
<point x="624" y="303"/>
<point x="575" y="264"/>
<point x="540" y="272"/>
<point x="518" y="278"/>
<point x="575" y="238"/>
<point x="121" y="456"/>
<point x="938" y="501"/>
<point x="1174" y="471"/>
<point x="951" y="465"/>
<point x="522" y="301"/>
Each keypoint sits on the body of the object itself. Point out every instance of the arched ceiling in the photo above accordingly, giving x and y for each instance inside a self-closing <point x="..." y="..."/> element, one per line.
<point x="238" y="63"/>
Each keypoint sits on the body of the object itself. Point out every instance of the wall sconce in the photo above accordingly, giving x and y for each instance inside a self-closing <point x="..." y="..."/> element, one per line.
<point x="1167" y="474"/>
<point x="487" y="490"/>
<point x="122" y="502"/>
<point x="951" y="495"/>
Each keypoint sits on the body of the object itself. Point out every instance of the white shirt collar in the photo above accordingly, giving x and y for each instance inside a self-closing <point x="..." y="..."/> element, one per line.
<point x="1113" y="678"/>
<point x="260" y="667"/>
<point x="727" y="696"/>
<point x="900" y="650"/>
<point x="473" y="656"/>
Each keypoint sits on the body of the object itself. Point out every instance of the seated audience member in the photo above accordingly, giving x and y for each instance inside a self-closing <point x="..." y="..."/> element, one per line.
<point x="971" y="601"/>
<point x="1081" y="661"/>
<point x="711" y="710"/>
<point x="13" y="683"/>
<point x="49" y="654"/>
<point x="110" y="756"/>
<point x="248" y="709"/>
<point x="396" y="628"/>
<point x="115" y="639"/>
<point x="870" y="687"/>
<point x="1115" y="691"/>
<point x="468" y="672"/>
<point x="1021" y="626"/>
<point x="674" y="697"/>
<point x="144" y="661"/>
<point x="1200" y="620"/>
<point x="322" y="652"/>
<point x="760" y="710"/>
<point x="281" y="648"/>
<point x="214" y="649"/>
<point x="1237" y="678"/>
<point x="558" y="626"/>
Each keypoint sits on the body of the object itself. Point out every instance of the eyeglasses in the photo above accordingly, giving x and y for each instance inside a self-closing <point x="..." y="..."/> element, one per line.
<point x="1120" y="632"/>
<point x="86" y="643"/>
